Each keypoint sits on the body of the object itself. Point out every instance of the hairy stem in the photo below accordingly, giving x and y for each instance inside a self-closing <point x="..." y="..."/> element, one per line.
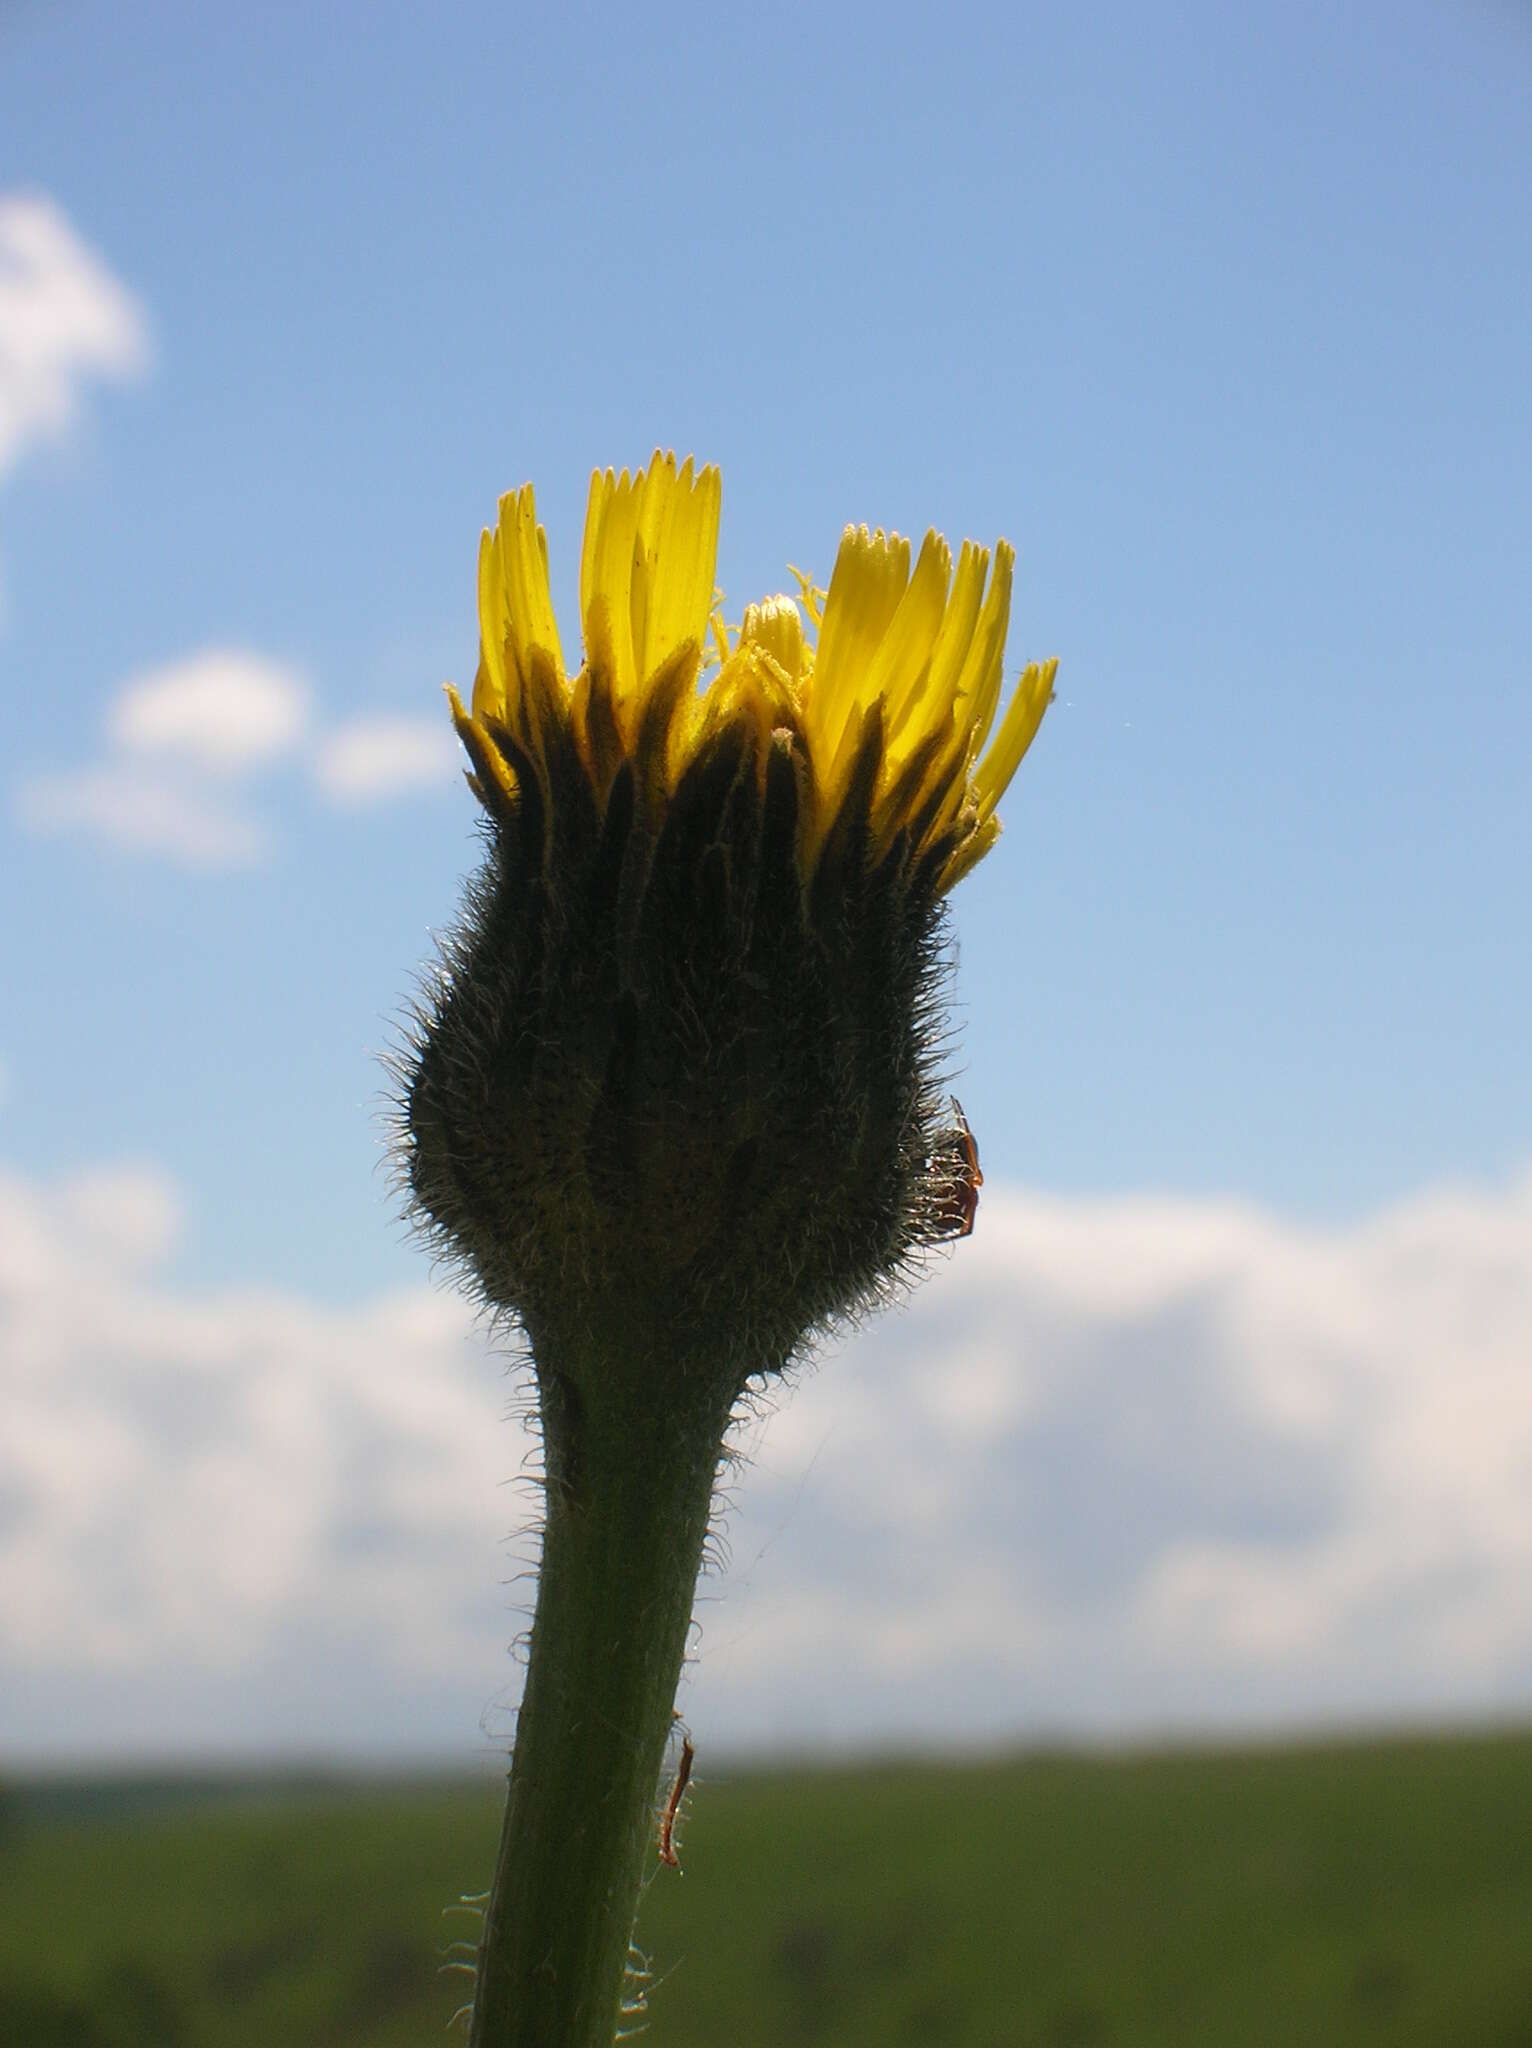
<point x="630" y="1463"/>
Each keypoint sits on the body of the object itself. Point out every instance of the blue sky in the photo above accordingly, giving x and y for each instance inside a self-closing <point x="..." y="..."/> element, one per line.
<point x="1222" y="316"/>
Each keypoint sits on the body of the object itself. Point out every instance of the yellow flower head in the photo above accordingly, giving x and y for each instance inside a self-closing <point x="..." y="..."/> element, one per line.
<point x="682" y="1070"/>
<point x="884" y="689"/>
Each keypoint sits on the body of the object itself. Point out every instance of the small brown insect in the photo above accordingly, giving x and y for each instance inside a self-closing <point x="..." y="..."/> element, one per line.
<point x="958" y="1202"/>
<point x="673" y="1804"/>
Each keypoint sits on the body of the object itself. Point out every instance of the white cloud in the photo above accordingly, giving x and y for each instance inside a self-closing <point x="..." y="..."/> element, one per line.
<point x="143" y="813"/>
<point x="373" y="758"/>
<point x="125" y="1216"/>
<point x="173" y="1467"/>
<point x="178" y="733"/>
<point x="1130" y="1464"/>
<point x="222" y="709"/>
<point x="64" y="319"/>
<point x="1121" y="1466"/>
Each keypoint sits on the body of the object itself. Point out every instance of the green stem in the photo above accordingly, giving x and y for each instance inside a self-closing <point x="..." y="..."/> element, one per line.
<point x="629" y="1482"/>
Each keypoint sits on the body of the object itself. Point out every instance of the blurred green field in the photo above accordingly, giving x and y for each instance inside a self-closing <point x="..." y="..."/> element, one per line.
<point x="1372" y="1893"/>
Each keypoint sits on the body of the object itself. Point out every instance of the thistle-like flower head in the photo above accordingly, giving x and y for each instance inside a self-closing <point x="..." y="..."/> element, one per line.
<point x="680" y="1073"/>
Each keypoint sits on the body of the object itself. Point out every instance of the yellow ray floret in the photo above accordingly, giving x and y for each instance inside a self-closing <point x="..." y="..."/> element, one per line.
<point x="896" y="693"/>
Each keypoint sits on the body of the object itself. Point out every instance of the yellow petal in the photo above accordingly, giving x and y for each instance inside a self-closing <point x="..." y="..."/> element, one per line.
<point x="522" y="547"/>
<point x="1031" y="698"/>
<point x="491" y="697"/>
<point x="869" y="578"/>
<point x="953" y="641"/>
<point x="675" y="558"/>
<point x="594" y="502"/>
<point x="606" y="583"/>
<point x="652" y="498"/>
<point x="978" y="687"/>
<point x="900" y="667"/>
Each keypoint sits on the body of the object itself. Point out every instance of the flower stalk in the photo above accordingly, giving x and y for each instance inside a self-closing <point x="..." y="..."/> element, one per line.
<point x="629" y="1490"/>
<point x="675" y="1101"/>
